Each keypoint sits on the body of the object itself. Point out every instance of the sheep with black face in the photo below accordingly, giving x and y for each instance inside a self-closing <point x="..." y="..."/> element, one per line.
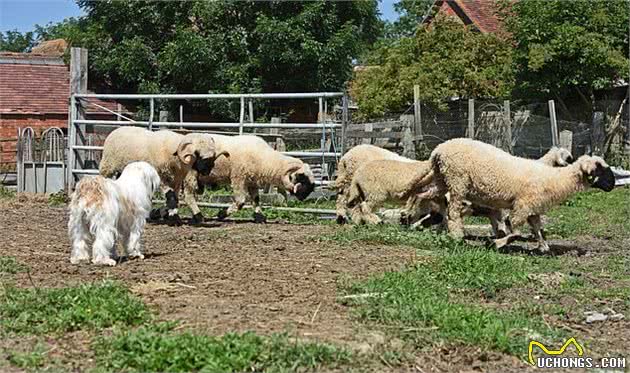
<point x="173" y="156"/>
<point x="253" y="165"/>
<point x="489" y="177"/>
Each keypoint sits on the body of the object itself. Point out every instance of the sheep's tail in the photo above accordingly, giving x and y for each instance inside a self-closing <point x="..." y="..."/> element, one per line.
<point x="355" y="194"/>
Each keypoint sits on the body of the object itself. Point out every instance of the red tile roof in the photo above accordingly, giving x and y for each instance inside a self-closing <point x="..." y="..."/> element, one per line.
<point x="36" y="84"/>
<point x="482" y="14"/>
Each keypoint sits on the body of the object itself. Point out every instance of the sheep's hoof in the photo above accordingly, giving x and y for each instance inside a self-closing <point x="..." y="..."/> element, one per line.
<point x="259" y="218"/>
<point x="405" y="220"/>
<point x="341" y="220"/>
<point x="222" y="214"/>
<point x="174" y="220"/>
<point x="197" y="219"/>
<point x="499" y="243"/>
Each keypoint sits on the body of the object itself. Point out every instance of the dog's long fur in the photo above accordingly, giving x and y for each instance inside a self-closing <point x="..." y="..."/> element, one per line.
<point x="101" y="210"/>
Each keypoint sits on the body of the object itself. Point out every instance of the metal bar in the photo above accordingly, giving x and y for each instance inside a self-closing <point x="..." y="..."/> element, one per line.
<point x="279" y="208"/>
<point x="242" y="117"/>
<point x="251" y="111"/>
<point x="213" y="124"/>
<point x="118" y="113"/>
<point x="322" y="121"/>
<point x="87" y="147"/>
<point x="207" y="96"/>
<point x="79" y="171"/>
<point x="181" y="113"/>
<point x="151" y="113"/>
<point x="292" y="154"/>
<point x="417" y="114"/>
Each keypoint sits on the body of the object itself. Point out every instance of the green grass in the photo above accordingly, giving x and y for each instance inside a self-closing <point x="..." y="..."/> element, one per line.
<point x="388" y="234"/>
<point x="6" y="192"/>
<point x="8" y="265"/>
<point x="593" y="212"/>
<point x="437" y="301"/>
<point x="32" y="360"/>
<point x="91" y="306"/>
<point x="157" y="348"/>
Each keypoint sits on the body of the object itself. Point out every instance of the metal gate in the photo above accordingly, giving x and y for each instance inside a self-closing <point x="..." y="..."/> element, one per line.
<point x="41" y="163"/>
<point x="327" y="155"/>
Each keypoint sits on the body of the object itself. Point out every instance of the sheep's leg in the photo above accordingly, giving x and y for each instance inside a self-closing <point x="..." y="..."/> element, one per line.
<point x="455" y="221"/>
<point x="536" y="224"/>
<point x="367" y="208"/>
<point x="258" y="215"/>
<point x="239" y="198"/>
<point x="519" y="217"/>
<point x="340" y="206"/>
<point x="498" y="221"/>
<point x="191" y="184"/>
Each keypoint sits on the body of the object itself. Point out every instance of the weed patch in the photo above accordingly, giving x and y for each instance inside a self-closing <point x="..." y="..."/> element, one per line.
<point x="157" y="348"/>
<point x="92" y="306"/>
<point x="8" y="265"/>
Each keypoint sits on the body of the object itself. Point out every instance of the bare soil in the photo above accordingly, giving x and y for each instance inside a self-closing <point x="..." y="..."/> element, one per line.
<point x="235" y="277"/>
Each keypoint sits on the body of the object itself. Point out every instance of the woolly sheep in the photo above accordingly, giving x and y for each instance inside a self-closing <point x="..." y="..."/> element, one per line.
<point x="387" y="180"/>
<point x="499" y="219"/>
<point x="348" y="164"/>
<point x="171" y="154"/>
<point x="253" y="165"/>
<point x="487" y="176"/>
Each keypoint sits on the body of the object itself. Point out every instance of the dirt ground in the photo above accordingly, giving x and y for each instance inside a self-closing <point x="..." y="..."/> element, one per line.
<point x="223" y="277"/>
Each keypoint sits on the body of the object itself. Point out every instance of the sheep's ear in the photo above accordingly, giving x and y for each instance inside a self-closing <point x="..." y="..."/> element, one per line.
<point x="186" y="153"/>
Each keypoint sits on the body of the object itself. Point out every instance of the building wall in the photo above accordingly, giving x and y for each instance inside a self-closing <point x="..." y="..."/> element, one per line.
<point x="9" y="123"/>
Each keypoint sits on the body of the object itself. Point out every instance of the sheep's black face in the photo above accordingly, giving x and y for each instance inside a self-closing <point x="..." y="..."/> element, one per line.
<point x="303" y="186"/>
<point x="570" y="159"/>
<point x="203" y="165"/>
<point x="602" y="178"/>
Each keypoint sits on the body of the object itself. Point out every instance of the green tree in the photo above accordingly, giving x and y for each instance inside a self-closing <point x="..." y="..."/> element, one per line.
<point x="222" y="46"/>
<point x="568" y="47"/>
<point x="410" y="15"/>
<point x="15" y="41"/>
<point x="445" y="58"/>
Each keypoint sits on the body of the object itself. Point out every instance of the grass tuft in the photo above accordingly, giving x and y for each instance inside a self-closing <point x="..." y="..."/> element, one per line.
<point x="8" y="265"/>
<point x="91" y="306"/>
<point x="155" y="348"/>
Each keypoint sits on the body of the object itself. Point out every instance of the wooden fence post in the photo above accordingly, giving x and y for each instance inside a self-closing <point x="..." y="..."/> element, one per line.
<point x="471" y="118"/>
<point x="76" y="133"/>
<point x="280" y="145"/>
<point x="598" y="133"/>
<point x="409" y="148"/>
<point x="367" y="128"/>
<point x="554" y="123"/>
<point x="163" y="117"/>
<point x="507" y="120"/>
<point x="566" y="140"/>
<point x="417" y="114"/>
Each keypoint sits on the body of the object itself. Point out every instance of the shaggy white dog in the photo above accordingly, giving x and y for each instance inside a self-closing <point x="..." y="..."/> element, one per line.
<point x="102" y="210"/>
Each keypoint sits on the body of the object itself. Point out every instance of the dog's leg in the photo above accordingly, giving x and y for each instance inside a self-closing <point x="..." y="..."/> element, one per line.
<point x="103" y="248"/>
<point x="132" y="244"/>
<point x="80" y="235"/>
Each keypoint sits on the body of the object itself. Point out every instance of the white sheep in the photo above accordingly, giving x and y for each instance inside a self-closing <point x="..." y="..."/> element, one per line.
<point x="488" y="176"/>
<point x="348" y="164"/>
<point x="388" y="180"/>
<point x="499" y="219"/>
<point x="173" y="155"/>
<point x="253" y="165"/>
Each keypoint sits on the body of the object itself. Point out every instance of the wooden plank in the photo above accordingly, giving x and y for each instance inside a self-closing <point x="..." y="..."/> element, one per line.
<point x="368" y="130"/>
<point x="376" y="125"/>
<point x="471" y="118"/>
<point x="417" y="115"/>
<point x="375" y="135"/>
<point x="554" y="123"/>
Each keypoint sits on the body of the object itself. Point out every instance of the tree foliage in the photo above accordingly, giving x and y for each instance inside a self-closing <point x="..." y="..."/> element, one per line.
<point x="15" y="41"/>
<point x="445" y="58"/>
<point x="222" y="46"/>
<point x="564" y="46"/>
